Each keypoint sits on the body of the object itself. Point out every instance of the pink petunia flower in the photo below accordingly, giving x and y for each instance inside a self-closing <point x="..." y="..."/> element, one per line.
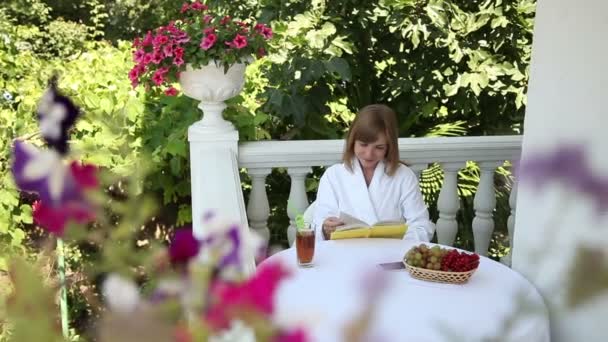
<point x="207" y="18"/>
<point x="209" y="30"/>
<point x="168" y="50"/>
<point x="158" y="77"/>
<point x="148" y="39"/>
<point x="261" y="52"/>
<point x="208" y="41"/>
<point x="198" y="6"/>
<point x="267" y="32"/>
<point x="239" y="41"/>
<point x="138" y="55"/>
<point x="225" y="20"/>
<point x="148" y="58"/>
<point x="171" y="91"/>
<point x="178" y="61"/>
<point x="178" y="52"/>
<point x="160" y="39"/>
<point x="296" y="335"/>
<point x="255" y="294"/>
<point x="184" y="8"/>
<point x="184" y="246"/>
<point x="157" y="57"/>
<point x="84" y="174"/>
<point x="54" y="219"/>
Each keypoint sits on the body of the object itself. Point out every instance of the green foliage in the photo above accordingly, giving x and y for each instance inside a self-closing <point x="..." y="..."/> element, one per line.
<point x="449" y="68"/>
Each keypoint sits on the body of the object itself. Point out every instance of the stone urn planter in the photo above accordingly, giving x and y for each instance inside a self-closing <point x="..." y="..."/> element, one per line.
<point x="212" y="87"/>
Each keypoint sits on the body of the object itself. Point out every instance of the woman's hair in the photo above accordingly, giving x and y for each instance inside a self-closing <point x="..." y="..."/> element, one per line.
<point x="370" y="123"/>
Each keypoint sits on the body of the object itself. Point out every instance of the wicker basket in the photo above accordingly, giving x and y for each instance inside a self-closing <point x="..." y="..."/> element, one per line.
<point x="439" y="276"/>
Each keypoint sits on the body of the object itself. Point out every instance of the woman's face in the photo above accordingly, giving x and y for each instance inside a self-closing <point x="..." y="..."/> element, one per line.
<point x="369" y="154"/>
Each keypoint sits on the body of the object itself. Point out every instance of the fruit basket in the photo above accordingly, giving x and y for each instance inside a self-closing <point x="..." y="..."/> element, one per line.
<point x="440" y="265"/>
<point x="440" y="276"/>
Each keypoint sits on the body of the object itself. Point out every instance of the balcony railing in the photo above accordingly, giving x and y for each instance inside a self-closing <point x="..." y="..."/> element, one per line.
<point x="452" y="153"/>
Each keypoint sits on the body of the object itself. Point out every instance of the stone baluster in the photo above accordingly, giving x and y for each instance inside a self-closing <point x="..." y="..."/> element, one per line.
<point x="511" y="223"/>
<point x="484" y="204"/>
<point x="258" y="208"/>
<point x="298" y="201"/>
<point x="448" y="204"/>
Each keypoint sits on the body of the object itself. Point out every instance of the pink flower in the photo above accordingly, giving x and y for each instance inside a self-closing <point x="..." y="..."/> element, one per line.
<point x="168" y="50"/>
<point x="267" y="33"/>
<point x="84" y="174"/>
<point x="239" y="41"/>
<point x="225" y="20"/>
<point x="138" y="55"/>
<point x="134" y="74"/>
<point x="207" y="18"/>
<point x="148" y="39"/>
<point x="136" y="42"/>
<point x="157" y="57"/>
<point x="185" y="8"/>
<point x="264" y="30"/>
<point x="261" y="52"/>
<point x="255" y="294"/>
<point x="297" y="335"/>
<point x="148" y="58"/>
<point x="209" y="30"/>
<point x="178" y="52"/>
<point x="158" y="78"/>
<point x="208" y="41"/>
<point x="170" y="91"/>
<point x="161" y="39"/>
<point x="54" y="219"/>
<point x="184" y="246"/>
<point x="198" y="6"/>
<point x="178" y="61"/>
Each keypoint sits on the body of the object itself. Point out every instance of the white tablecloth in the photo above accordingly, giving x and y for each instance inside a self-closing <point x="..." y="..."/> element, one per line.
<point x="497" y="304"/>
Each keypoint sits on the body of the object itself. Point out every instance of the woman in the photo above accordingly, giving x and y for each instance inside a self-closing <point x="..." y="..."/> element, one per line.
<point x="371" y="183"/>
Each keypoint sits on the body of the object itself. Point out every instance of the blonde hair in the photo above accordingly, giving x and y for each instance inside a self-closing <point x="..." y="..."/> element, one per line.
<point x="371" y="121"/>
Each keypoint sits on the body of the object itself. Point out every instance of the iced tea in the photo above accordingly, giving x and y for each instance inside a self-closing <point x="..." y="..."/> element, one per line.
<point x="305" y="246"/>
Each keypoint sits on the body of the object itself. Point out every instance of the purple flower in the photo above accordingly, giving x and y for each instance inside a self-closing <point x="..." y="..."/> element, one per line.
<point x="567" y="164"/>
<point x="233" y="240"/>
<point x="43" y="172"/>
<point x="184" y="246"/>
<point x="56" y="115"/>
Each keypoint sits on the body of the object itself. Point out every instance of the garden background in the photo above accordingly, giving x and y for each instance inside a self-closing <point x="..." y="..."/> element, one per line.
<point x="449" y="68"/>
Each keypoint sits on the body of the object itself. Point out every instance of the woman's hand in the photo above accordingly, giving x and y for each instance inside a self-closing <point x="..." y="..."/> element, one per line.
<point x="329" y="225"/>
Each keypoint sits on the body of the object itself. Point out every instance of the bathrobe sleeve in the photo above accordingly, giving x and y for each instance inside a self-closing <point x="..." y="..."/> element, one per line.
<point x="415" y="213"/>
<point x="326" y="204"/>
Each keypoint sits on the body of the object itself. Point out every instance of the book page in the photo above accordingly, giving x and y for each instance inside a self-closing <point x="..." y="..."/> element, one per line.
<point x="350" y="222"/>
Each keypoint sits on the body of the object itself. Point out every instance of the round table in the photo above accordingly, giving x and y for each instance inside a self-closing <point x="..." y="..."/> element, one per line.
<point x="497" y="304"/>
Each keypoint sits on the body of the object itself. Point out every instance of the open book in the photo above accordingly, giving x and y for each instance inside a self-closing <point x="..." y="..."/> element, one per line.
<point x="355" y="228"/>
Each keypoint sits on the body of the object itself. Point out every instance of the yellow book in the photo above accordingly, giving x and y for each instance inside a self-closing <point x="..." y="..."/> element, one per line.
<point x="354" y="228"/>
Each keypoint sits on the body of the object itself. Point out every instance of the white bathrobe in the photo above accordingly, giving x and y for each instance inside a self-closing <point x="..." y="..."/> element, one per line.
<point x="388" y="198"/>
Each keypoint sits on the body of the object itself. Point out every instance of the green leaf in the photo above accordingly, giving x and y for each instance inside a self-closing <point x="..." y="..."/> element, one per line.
<point x="184" y="214"/>
<point x="339" y="66"/>
<point x="177" y="147"/>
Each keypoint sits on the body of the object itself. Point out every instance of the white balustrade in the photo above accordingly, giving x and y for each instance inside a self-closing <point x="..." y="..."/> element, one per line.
<point x="484" y="204"/>
<point x="258" y="208"/>
<point x="511" y="223"/>
<point x="448" y="204"/>
<point x="298" y="157"/>
<point x="297" y="202"/>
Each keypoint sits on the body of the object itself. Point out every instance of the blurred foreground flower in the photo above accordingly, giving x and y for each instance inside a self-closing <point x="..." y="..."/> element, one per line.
<point x="569" y="165"/>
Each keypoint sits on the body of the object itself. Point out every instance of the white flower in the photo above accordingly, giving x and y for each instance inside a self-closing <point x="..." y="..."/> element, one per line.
<point x="7" y="96"/>
<point x="52" y="114"/>
<point x="121" y="294"/>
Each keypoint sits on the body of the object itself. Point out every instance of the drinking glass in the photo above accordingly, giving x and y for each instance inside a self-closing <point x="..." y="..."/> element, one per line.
<point x="305" y="245"/>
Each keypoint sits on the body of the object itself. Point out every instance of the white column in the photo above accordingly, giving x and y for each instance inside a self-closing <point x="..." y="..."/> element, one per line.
<point x="215" y="180"/>
<point x="484" y="204"/>
<point x="448" y="204"/>
<point x="555" y="219"/>
<point x="298" y="202"/>
<point x="258" y="208"/>
<point x="511" y="223"/>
